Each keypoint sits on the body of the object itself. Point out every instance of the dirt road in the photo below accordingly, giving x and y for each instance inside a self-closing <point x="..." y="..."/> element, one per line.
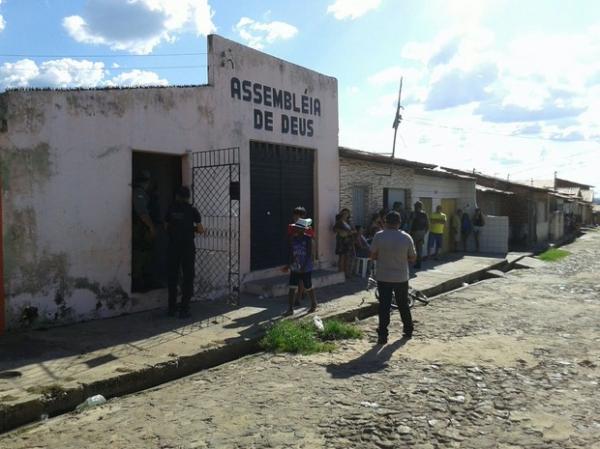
<point x="506" y="363"/>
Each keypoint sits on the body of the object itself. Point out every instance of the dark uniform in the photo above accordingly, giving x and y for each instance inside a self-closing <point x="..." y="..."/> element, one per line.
<point x="181" y="219"/>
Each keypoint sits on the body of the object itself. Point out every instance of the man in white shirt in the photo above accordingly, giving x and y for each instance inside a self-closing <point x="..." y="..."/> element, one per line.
<point x="393" y="250"/>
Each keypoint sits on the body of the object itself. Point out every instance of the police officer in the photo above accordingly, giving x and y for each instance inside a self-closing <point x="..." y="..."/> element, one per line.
<point x="143" y="233"/>
<point x="182" y="221"/>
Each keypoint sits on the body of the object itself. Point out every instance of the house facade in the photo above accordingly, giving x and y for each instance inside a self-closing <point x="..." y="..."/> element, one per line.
<point x="370" y="182"/>
<point x="527" y="208"/>
<point x="260" y="138"/>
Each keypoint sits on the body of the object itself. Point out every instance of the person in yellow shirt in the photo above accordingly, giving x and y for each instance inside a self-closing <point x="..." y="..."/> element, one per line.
<point x="438" y="221"/>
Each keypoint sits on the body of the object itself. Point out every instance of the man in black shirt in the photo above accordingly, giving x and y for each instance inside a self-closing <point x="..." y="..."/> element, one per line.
<point x="183" y="222"/>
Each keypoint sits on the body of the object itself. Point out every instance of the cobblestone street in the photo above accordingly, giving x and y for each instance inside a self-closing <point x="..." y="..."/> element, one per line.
<point x="506" y="363"/>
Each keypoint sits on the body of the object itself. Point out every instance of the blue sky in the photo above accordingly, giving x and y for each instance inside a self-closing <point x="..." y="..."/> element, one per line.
<point x="511" y="88"/>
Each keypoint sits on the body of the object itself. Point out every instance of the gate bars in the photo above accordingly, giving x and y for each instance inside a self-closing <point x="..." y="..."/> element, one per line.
<point x="216" y="195"/>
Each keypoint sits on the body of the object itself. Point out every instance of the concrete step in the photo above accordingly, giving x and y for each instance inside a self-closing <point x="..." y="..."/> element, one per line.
<point x="530" y="262"/>
<point x="278" y="285"/>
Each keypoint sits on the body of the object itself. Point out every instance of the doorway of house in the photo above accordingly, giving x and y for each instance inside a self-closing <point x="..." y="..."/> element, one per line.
<point x="281" y="178"/>
<point x="359" y="205"/>
<point x="449" y="208"/>
<point x="392" y="196"/>
<point x="149" y="255"/>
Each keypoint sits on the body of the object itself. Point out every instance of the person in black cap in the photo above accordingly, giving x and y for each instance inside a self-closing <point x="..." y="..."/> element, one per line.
<point x="143" y="234"/>
<point x="182" y="221"/>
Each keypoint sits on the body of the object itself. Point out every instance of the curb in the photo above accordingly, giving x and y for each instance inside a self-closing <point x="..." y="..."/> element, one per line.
<point x="63" y="401"/>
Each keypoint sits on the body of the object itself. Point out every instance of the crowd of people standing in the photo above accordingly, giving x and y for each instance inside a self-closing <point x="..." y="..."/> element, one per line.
<point x="354" y="241"/>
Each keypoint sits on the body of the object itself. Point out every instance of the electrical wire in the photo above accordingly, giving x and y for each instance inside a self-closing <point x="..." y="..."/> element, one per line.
<point x="164" y="67"/>
<point x="118" y="55"/>
<point x="431" y="123"/>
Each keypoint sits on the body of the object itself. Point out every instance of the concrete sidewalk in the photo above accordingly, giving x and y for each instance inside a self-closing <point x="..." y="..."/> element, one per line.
<point x="50" y="372"/>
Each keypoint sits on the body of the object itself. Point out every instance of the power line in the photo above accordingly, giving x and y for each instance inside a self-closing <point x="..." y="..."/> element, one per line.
<point x="118" y="55"/>
<point x="163" y="67"/>
<point x="547" y="164"/>
<point x="428" y="122"/>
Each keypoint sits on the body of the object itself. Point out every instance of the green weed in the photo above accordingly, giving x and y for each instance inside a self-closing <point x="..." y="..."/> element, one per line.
<point x="553" y="255"/>
<point x="302" y="337"/>
<point x="338" y="330"/>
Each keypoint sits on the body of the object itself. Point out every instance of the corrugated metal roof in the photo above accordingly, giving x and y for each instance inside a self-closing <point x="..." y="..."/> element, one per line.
<point x="378" y="157"/>
<point x="573" y="191"/>
<point x="491" y="190"/>
<point x="420" y="167"/>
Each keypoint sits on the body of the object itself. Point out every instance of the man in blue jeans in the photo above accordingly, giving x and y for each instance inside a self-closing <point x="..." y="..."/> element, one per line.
<point x="393" y="249"/>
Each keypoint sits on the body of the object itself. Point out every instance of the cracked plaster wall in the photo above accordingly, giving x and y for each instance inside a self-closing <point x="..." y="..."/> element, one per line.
<point x="66" y="166"/>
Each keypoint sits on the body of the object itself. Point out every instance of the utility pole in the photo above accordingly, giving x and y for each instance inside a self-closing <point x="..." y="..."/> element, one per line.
<point x="395" y="125"/>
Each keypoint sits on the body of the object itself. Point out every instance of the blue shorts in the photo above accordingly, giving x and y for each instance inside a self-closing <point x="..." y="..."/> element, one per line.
<point x="296" y="277"/>
<point x="435" y="240"/>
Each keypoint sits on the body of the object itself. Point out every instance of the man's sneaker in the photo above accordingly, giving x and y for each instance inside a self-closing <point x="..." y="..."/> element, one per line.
<point x="407" y="334"/>
<point x="382" y="340"/>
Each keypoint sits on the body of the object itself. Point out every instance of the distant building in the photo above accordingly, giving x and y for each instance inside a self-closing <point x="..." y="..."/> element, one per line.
<point x="527" y="207"/>
<point x="577" y="198"/>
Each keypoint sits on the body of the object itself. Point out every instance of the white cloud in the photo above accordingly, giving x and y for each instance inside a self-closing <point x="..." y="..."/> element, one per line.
<point x="67" y="73"/>
<point x="392" y="75"/>
<point x="352" y="9"/>
<point x="258" y="34"/>
<point x="477" y="102"/>
<point x="137" y="26"/>
<point x="137" y="78"/>
<point x="2" y="21"/>
<point x="18" y="74"/>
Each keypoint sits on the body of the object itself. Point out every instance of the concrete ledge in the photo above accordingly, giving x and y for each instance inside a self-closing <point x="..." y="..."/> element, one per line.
<point x="65" y="400"/>
<point x="167" y="368"/>
<point x="278" y="286"/>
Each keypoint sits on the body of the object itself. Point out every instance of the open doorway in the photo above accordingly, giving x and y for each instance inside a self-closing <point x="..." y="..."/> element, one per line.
<point x="159" y="175"/>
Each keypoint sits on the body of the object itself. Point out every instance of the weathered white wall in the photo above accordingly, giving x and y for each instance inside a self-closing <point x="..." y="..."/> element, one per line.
<point x="236" y="119"/>
<point x="439" y="188"/>
<point x="557" y="225"/>
<point x="494" y="235"/>
<point x="67" y="160"/>
<point x="542" y="226"/>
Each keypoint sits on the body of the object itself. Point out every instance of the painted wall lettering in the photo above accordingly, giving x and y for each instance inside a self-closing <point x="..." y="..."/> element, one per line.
<point x="271" y="97"/>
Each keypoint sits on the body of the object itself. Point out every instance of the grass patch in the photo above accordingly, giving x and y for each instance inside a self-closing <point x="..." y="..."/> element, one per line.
<point x="302" y="337"/>
<point x="338" y="330"/>
<point x="553" y="255"/>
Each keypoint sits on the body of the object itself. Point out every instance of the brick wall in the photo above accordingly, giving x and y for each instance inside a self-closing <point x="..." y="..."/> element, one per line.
<point x="372" y="176"/>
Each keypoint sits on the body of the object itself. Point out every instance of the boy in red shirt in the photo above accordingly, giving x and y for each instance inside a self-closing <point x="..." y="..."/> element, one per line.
<point x="299" y="213"/>
<point x="300" y="265"/>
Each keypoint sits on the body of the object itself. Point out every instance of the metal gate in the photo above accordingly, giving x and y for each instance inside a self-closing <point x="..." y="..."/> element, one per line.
<point x="216" y="195"/>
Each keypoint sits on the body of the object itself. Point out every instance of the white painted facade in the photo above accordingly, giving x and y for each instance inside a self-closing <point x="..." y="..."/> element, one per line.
<point x="435" y="188"/>
<point x="438" y="188"/>
<point x="67" y="174"/>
